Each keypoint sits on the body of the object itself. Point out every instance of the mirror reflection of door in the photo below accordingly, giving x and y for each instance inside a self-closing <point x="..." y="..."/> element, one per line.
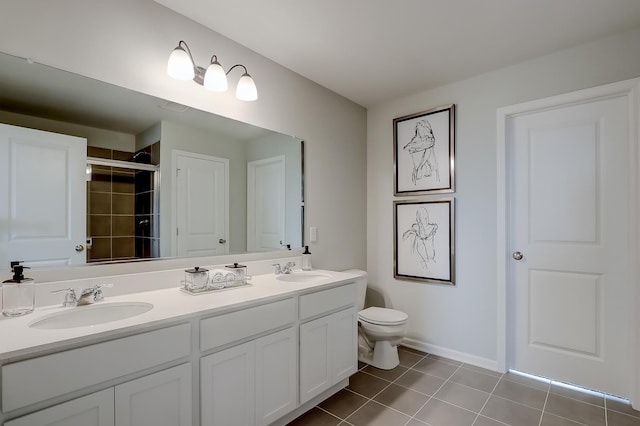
<point x="42" y="218"/>
<point x="202" y="210"/>
<point x="266" y="204"/>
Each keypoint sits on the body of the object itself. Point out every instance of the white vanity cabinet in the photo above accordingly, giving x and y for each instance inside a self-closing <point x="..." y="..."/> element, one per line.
<point x="159" y="399"/>
<point x="96" y="409"/>
<point x="253" y="383"/>
<point x="253" y="362"/>
<point x="36" y="380"/>
<point x="328" y="344"/>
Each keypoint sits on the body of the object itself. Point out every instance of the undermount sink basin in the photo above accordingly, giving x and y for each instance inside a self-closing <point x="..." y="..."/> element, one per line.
<point x="82" y="316"/>
<point x="303" y="277"/>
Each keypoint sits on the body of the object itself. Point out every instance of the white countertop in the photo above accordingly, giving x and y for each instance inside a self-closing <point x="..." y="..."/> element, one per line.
<point x="17" y="339"/>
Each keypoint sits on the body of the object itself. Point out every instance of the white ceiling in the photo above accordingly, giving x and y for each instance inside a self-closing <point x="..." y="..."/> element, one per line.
<point x="372" y="51"/>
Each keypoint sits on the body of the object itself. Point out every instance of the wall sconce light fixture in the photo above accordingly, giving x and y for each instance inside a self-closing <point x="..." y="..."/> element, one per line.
<point x="182" y="67"/>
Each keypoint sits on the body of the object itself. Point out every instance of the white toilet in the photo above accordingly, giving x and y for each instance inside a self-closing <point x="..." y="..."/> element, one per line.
<point x="380" y="330"/>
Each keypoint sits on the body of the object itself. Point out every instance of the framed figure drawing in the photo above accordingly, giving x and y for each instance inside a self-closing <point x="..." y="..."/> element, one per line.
<point x="424" y="241"/>
<point x="424" y="152"/>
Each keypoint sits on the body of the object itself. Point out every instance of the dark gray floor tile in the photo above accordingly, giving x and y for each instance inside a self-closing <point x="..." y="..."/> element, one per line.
<point x="343" y="403"/>
<point x="374" y="414"/>
<point x="416" y="422"/>
<point x="424" y="383"/>
<point x="572" y="409"/>
<point x="486" y="421"/>
<point x="549" y="419"/>
<point x="435" y="368"/>
<point x="315" y="417"/>
<point x="618" y="419"/>
<point x="481" y="370"/>
<point x="516" y="392"/>
<point x="402" y="399"/>
<point x="510" y="412"/>
<point x="527" y="381"/>
<point x="439" y="413"/>
<point x="621" y="406"/>
<point x="474" y="379"/>
<point x="462" y="396"/>
<point x="409" y="359"/>
<point x="590" y="397"/>
<point x="389" y="375"/>
<point x="366" y="384"/>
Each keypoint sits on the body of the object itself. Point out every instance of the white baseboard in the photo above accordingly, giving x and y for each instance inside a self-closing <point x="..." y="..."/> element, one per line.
<point x="489" y="364"/>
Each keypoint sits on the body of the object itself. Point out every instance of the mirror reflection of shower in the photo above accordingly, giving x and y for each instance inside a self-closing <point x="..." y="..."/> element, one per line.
<point x="122" y="204"/>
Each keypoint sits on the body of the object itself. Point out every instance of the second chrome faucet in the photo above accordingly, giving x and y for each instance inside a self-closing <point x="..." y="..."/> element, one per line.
<point x="286" y="269"/>
<point x="88" y="296"/>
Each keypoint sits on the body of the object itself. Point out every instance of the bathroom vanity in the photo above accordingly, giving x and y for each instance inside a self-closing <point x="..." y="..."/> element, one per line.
<point x="253" y="355"/>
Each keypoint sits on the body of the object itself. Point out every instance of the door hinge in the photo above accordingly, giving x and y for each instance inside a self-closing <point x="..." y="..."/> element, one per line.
<point x="177" y="233"/>
<point x="177" y="172"/>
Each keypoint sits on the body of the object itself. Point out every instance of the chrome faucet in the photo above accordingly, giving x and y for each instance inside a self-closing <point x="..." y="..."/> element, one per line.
<point x="286" y="269"/>
<point x="92" y="294"/>
<point x="70" y="298"/>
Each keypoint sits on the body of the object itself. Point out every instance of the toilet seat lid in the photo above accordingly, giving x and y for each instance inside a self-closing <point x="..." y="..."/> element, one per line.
<point x="383" y="316"/>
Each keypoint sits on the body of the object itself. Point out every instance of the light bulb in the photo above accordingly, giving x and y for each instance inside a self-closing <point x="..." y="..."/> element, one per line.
<point x="215" y="78"/>
<point x="246" y="89"/>
<point x="180" y="65"/>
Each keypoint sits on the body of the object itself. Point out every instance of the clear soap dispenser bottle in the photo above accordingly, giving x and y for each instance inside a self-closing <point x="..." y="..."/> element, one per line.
<point x="18" y="293"/>
<point x="306" y="259"/>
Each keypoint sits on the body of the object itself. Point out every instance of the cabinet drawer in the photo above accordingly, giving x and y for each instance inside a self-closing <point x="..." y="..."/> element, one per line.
<point x="34" y="380"/>
<point x="96" y="409"/>
<point x="234" y="326"/>
<point x="323" y="301"/>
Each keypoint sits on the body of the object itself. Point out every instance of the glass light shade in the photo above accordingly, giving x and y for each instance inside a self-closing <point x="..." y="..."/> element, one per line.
<point x="215" y="78"/>
<point x="180" y="65"/>
<point x="246" y="89"/>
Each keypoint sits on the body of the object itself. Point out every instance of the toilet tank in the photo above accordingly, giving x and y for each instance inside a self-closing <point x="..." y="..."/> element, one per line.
<point x="361" y="281"/>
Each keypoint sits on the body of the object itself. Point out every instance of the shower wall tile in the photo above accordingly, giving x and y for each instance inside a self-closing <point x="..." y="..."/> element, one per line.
<point x="122" y="204"/>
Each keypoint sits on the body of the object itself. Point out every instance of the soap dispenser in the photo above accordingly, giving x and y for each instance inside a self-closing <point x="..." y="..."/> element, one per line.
<point x="306" y="259"/>
<point x="18" y="293"/>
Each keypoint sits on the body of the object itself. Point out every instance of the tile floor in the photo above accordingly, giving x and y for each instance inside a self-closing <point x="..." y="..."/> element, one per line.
<point x="429" y="390"/>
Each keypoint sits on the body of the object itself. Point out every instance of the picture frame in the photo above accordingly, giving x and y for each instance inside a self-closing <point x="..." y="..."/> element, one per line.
<point x="424" y="238"/>
<point x="424" y="152"/>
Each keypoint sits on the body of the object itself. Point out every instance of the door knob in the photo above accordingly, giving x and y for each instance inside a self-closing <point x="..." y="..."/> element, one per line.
<point x="517" y="255"/>
<point x="222" y="241"/>
<point x="79" y="248"/>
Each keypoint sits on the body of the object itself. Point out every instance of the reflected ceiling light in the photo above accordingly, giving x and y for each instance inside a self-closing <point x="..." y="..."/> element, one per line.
<point x="182" y="67"/>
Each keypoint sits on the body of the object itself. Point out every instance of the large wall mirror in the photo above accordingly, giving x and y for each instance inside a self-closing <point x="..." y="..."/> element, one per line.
<point x="156" y="179"/>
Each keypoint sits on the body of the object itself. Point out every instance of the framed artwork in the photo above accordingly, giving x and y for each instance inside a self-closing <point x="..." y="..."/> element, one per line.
<point x="424" y="241"/>
<point x="424" y="152"/>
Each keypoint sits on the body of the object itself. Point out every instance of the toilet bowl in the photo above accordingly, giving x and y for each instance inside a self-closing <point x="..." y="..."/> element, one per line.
<point x="380" y="330"/>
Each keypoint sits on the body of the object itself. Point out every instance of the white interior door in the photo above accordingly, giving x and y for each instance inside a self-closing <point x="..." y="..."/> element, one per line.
<point x="570" y="275"/>
<point x="42" y="197"/>
<point x="202" y="200"/>
<point x="266" y="204"/>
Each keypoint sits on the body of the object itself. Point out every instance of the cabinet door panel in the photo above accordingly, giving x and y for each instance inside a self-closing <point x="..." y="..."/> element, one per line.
<point x="160" y="399"/>
<point x="345" y="340"/>
<point x="315" y="358"/>
<point x="276" y="375"/>
<point x="227" y="383"/>
<point x="96" y="409"/>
